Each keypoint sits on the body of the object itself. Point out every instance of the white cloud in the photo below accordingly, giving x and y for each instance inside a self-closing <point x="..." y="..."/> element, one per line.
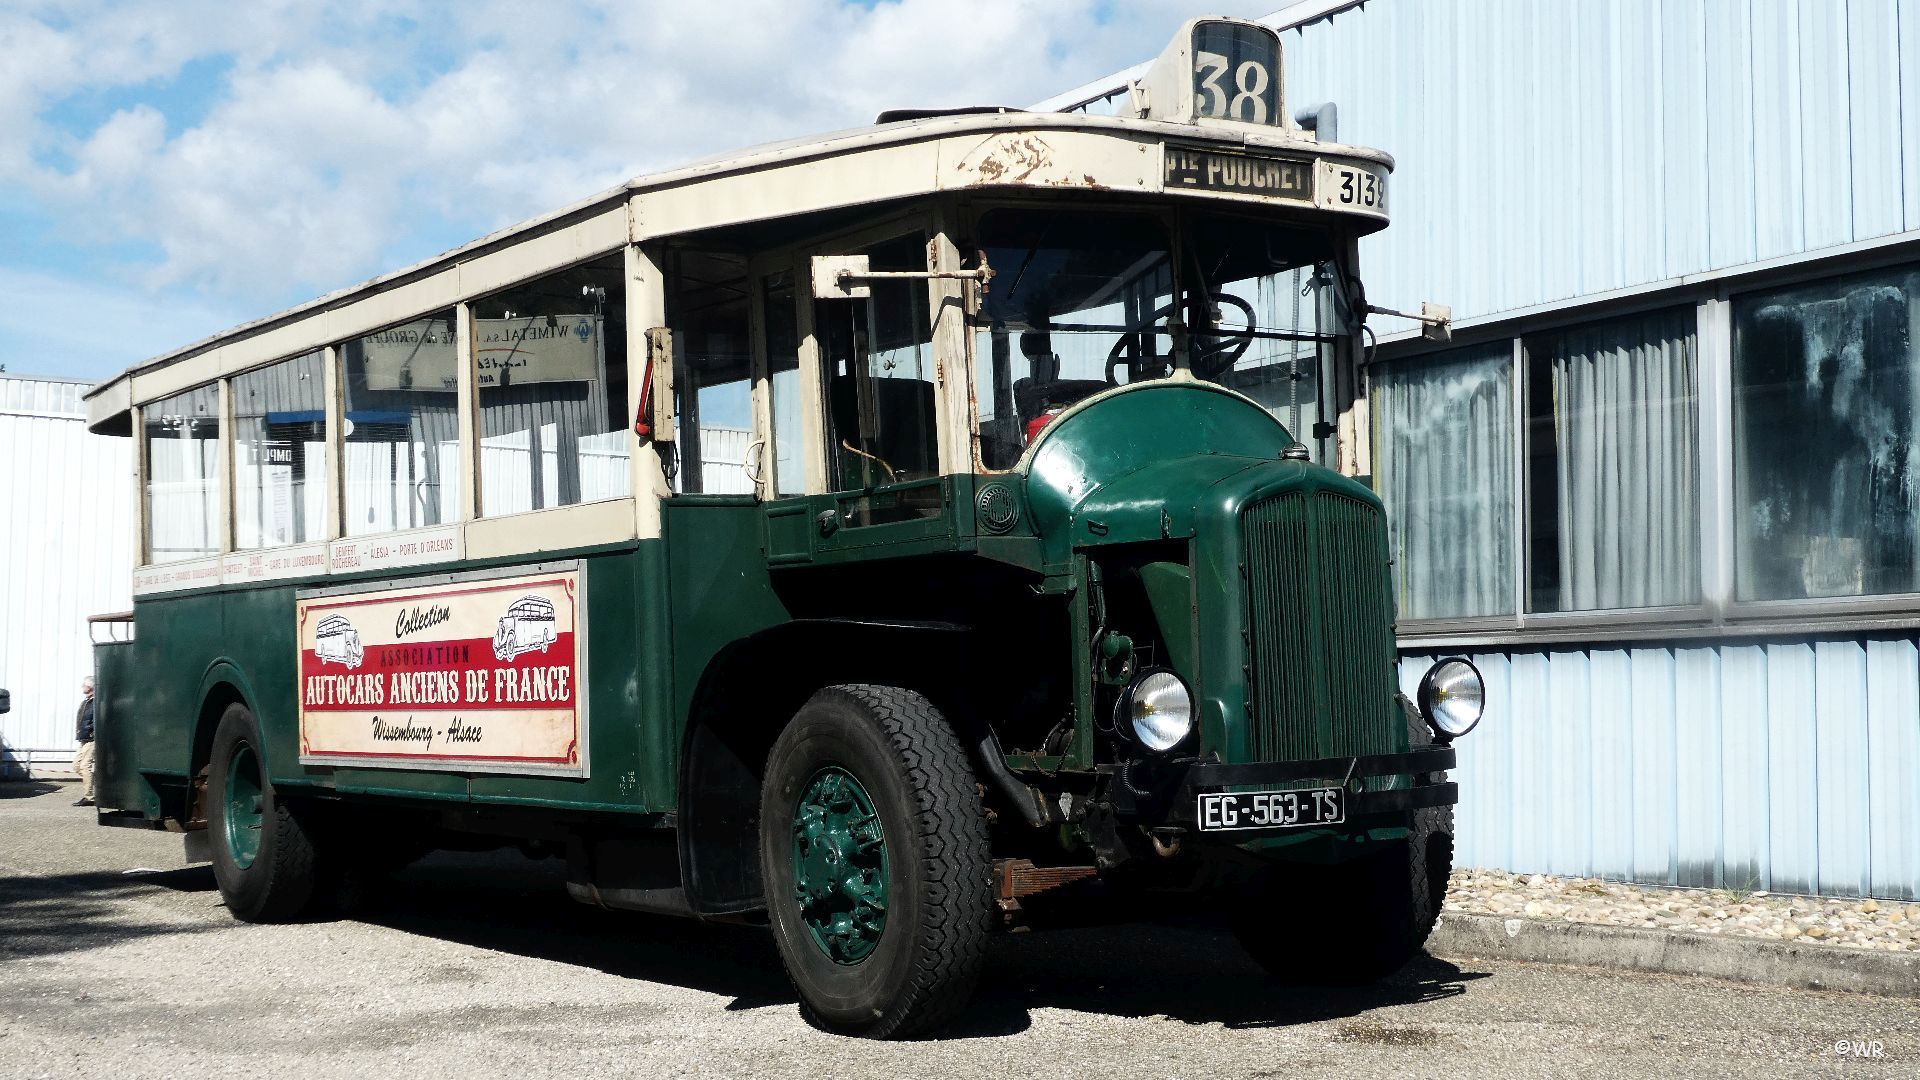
<point x="56" y="324"/>
<point x="344" y="134"/>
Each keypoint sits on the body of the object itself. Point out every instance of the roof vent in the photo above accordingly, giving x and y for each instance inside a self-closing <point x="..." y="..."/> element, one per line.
<point x="901" y="116"/>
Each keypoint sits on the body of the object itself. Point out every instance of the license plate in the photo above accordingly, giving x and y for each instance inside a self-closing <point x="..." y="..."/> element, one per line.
<point x="1225" y="811"/>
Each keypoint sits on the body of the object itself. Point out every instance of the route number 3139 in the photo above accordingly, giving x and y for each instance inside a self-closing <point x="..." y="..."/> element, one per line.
<point x="1358" y="187"/>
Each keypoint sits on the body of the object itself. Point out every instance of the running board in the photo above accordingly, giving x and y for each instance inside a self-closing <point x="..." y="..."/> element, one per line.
<point x="671" y="901"/>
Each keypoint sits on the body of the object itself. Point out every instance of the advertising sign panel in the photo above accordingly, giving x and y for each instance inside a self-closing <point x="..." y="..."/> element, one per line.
<point x="482" y="676"/>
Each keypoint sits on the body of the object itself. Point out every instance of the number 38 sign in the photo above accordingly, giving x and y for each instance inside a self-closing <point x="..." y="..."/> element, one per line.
<point x="1236" y="73"/>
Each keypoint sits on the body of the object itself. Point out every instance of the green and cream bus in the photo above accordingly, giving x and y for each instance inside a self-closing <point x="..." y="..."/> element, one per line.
<point x="892" y="536"/>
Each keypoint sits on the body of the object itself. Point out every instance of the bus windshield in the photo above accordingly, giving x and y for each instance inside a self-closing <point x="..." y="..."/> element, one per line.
<point x="1082" y="301"/>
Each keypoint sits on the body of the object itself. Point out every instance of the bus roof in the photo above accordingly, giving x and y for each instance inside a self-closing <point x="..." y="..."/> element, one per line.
<point x="878" y="163"/>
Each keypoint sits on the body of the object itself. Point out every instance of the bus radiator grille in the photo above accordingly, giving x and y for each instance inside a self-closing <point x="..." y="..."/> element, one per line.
<point x="1320" y="652"/>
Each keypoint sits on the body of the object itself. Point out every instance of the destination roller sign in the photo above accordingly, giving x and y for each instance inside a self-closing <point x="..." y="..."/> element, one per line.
<point x="1244" y="174"/>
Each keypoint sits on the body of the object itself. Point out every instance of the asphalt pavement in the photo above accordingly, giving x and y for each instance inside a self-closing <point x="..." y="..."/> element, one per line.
<point x="115" y="960"/>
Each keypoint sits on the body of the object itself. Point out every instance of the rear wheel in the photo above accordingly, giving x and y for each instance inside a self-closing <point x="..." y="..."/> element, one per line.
<point x="264" y="858"/>
<point x="873" y="849"/>
<point x="1388" y="903"/>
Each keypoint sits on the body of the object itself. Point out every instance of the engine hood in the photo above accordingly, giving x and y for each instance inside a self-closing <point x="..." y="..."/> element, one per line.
<point x="1147" y="462"/>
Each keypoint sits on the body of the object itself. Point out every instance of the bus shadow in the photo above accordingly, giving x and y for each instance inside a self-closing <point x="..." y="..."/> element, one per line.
<point x="23" y="789"/>
<point x="65" y="913"/>
<point x="1191" y="972"/>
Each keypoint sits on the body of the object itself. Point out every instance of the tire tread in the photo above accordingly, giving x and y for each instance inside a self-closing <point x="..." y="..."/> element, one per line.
<point x="952" y="834"/>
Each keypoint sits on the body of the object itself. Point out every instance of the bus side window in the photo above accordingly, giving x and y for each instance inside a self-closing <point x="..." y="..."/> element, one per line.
<point x="707" y="306"/>
<point x="551" y="355"/>
<point x="402" y="433"/>
<point x="183" y="501"/>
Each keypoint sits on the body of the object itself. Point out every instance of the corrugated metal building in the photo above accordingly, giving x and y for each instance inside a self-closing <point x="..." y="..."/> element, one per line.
<point x="1664" y="485"/>
<point x="68" y="554"/>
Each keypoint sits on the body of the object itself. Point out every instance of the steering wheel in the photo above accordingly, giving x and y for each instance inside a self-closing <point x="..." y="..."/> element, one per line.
<point x="1212" y="353"/>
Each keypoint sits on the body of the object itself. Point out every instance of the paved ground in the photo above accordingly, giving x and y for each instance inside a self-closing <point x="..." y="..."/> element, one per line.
<point x="481" y="966"/>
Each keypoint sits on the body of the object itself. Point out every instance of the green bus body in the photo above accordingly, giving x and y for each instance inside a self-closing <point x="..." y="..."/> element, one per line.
<point x="720" y="628"/>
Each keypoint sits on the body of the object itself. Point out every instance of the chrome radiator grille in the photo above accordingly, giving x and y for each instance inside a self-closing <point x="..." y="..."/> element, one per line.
<point x="1319" y="636"/>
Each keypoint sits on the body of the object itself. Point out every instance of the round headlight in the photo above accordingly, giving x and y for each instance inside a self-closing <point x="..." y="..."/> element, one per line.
<point x="1159" y="710"/>
<point x="1452" y="697"/>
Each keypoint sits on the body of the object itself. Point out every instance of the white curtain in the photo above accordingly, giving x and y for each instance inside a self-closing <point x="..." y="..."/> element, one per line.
<point x="1443" y="463"/>
<point x="1626" y="450"/>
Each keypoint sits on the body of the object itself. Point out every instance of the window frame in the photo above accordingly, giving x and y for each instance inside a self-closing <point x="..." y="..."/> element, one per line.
<point x="1718" y="614"/>
<point x="1524" y="623"/>
<point x="968" y="218"/>
<point x="472" y="486"/>
<point x="929" y="223"/>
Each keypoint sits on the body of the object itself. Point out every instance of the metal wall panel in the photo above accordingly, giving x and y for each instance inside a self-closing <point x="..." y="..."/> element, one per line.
<point x="1550" y="151"/>
<point x="1784" y="765"/>
<point x="1683" y="77"/>
<point x="1653" y="821"/>
<point x="66" y="552"/>
<point x="1743" y="767"/>
<point x="1873" y="135"/>
<point x="1698" y="824"/>
<point x="1893" y="745"/>
<point x="1793" y="793"/>
<point x="1910" y="110"/>
<point x="1732" y="193"/>
<point x="1612" y="761"/>
<point x="1780" y="215"/>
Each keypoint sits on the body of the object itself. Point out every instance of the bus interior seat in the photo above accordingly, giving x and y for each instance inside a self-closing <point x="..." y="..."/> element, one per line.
<point x="1031" y="397"/>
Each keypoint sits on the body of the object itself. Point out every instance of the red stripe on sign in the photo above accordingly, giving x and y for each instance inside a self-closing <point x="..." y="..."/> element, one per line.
<point x="466" y="674"/>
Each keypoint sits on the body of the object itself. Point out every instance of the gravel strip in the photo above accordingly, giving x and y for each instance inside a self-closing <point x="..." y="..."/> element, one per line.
<point x="1862" y="924"/>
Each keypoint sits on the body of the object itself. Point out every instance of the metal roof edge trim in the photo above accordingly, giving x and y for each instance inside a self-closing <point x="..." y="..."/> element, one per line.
<point x="790" y="152"/>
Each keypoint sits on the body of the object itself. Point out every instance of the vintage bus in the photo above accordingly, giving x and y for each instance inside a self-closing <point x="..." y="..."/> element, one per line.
<point x="931" y="528"/>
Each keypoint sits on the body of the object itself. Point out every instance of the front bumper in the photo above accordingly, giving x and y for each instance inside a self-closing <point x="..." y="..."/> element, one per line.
<point x="1161" y="795"/>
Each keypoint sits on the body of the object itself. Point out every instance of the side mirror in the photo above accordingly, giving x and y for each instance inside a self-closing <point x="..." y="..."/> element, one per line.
<point x="6" y="701"/>
<point x="834" y="277"/>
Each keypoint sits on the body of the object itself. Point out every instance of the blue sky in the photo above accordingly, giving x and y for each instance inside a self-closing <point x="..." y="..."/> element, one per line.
<point x="171" y="169"/>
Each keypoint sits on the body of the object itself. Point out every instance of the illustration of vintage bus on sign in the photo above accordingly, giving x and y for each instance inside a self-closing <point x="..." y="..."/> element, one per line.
<point x="337" y="642"/>
<point x="528" y="625"/>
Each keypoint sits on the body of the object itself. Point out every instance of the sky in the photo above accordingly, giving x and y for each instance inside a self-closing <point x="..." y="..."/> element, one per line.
<point x="171" y="169"/>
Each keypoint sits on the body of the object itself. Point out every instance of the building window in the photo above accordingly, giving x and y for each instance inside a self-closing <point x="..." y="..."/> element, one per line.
<point x="1824" y="402"/>
<point x="551" y="358"/>
<point x="280" y="454"/>
<point x="1613" y="499"/>
<point x="403" y="427"/>
<point x="1443" y="462"/>
<point x="182" y="450"/>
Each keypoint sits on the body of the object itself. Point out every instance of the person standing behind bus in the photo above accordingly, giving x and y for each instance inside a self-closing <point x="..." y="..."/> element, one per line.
<point x="83" y="731"/>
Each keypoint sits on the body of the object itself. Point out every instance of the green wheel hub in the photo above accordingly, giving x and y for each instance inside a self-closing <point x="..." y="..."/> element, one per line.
<point x="840" y="866"/>
<point x="243" y="811"/>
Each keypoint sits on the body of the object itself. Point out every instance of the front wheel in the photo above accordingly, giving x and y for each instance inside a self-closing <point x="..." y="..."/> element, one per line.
<point x="873" y="849"/>
<point x="1391" y="898"/>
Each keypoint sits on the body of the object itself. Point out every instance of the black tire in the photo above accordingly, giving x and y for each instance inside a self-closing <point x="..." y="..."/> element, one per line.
<point x="278" y="884"/>
<point x="929" y="952"/>
<point x="1430" y="845"/>
<point x="1391" y="900"/>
